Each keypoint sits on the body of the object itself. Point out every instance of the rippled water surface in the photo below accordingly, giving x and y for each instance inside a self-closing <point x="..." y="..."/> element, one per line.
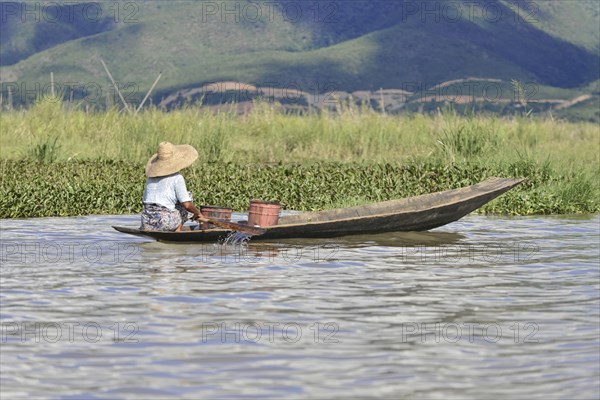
<point x="481" y="308"/>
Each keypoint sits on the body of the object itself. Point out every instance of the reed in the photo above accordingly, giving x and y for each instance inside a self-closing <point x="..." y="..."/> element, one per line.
<point x="269" y="135"/>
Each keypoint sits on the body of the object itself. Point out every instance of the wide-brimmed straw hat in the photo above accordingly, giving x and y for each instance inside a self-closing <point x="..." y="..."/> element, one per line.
<point x="170" y="158"/>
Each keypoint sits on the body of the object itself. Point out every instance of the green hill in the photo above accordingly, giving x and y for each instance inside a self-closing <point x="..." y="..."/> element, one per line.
<point x="316" y="46"/>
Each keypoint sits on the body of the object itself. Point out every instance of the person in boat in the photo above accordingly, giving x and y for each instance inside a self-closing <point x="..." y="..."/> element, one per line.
<point x="167" y="202"/>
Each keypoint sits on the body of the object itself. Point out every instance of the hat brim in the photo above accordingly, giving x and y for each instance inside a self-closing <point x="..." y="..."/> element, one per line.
<point x="184" y="155"/>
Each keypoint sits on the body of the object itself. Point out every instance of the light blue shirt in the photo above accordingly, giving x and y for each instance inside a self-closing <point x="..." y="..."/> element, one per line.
<point x="166" y="191"/>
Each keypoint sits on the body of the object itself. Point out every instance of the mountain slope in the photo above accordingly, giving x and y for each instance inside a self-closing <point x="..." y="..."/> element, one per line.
<point x="349" y="45"/>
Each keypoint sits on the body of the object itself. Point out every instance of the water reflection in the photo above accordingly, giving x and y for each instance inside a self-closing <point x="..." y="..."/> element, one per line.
<point x="391" y="239"/>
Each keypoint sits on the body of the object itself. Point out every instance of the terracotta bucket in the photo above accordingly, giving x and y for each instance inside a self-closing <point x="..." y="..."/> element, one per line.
<point x="214" y="212"/>
<point x="263" y="213"/>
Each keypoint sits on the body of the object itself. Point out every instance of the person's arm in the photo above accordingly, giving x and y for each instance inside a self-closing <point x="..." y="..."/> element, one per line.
<point x="185" y="198"/>
<point x="189" y="206"/>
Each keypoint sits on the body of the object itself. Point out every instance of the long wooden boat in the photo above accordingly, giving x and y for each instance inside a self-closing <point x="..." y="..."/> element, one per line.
<point x="417" y="213"/>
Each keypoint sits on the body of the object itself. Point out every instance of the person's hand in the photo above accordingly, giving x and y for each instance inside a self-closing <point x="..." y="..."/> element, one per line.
<point x="198" y="216"/>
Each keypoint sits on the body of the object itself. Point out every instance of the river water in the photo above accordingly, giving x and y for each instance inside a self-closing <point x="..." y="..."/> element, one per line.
<point x="486" y="307"/>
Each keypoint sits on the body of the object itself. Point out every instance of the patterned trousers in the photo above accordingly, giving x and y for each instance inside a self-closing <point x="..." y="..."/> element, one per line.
<point x="158" y="218"/>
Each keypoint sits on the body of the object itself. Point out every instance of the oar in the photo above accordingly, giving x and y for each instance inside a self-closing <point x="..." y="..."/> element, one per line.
<point x="232" y="226"/>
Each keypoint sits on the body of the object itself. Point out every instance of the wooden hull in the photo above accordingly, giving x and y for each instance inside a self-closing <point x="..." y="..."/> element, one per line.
<point x="417" y="213"/>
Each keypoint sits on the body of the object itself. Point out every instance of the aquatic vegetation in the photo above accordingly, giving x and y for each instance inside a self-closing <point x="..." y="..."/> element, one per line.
<point x="58" y="161"/>
<point x="268" y="134"/>
<point x="32" y="189"/>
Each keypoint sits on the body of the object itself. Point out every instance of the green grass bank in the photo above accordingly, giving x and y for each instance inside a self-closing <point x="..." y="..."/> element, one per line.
<point x="59" y="161"/>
